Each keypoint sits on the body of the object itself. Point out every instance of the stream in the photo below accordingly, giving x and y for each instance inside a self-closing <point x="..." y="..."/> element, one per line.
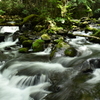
<point x="33" y="76"/>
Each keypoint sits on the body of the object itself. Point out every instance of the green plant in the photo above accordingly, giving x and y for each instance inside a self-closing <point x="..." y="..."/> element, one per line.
<point x="97" y="10"/>
<point x="25" y="12"/>
<point x="2" y="12"/>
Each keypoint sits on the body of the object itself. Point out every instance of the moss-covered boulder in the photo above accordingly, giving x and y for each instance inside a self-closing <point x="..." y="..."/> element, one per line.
<point x="60" y="39"/>
<point x="23" y="50"/>
<point x="38" y="45"/>
<point x="62" y="45"/>
<point x="59" y="49"/>
<point x="27" y="43"/>
<point x="71" y="52"/>
<point x="22" y="38"/>
<point x="46" y="37"/>
<point x="88" y="28"/>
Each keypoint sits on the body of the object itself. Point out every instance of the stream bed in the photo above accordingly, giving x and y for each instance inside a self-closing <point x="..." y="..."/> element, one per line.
<point x="33" y="76"/>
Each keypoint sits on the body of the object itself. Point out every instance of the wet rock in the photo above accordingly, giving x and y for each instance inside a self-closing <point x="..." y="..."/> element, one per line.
<point x="16" y="35"/>
<point x="7" y="48"/>
<point x="2" y="37"/>
<point x="71" y="52"/>
<point x="59" y="49"/>
<point x="90" y="65"/>
<point x="62" y="32"/>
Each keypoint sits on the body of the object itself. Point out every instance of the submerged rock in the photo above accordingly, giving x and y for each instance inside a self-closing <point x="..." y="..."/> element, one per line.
<point x="90" y="64"/>
<point x="70" y="52"/>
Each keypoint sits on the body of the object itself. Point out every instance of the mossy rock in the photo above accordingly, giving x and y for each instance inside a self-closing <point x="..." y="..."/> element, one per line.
<point x="62" y="44"/>
<point x="71" y="52"/>
<point x="22" y="38"/>
<point x="45" y="37"/>
<point x="23" y="50"/>
<point x="27" y="43"/>
<point x="88" y="28"/>
<point x="38" y="45"/>
<point x="56" y="41"/>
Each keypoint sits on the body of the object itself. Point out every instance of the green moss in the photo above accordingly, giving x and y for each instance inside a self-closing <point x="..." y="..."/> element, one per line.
<point x="70" y="52"/>
<point x="62" y="44"/>
<point x="22" y="38"/>
<point x="23" y="50"/>
<point x="88" y="28"/>
<point x="97" y="34"/>
<point x="28" y="18"/>
<point x="38" y="45"/>
<point x="2" y="20"/>
<point x="57" y="41"/>
<point x="52" y="53"/>
<point x="27" y="43"/>
<point x="45" y="37"/>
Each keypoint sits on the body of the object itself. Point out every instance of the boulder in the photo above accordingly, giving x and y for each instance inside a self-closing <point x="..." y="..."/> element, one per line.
<point x="38" y="45"/>
<point x="71" y="52"/>
<point x="46" y="37"/>
<point x="27" y="43"/>
<point x="23" y="50"/>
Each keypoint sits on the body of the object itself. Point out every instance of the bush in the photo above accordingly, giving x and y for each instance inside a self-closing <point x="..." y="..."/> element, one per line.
<point x="12" y="7"/>
<point x="2" y="12"/>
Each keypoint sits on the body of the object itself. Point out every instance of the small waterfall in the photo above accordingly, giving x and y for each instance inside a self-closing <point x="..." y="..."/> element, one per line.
<point x="26" y="81"/>
<point x="9" y="29"/>
<point x="8" y="37"/>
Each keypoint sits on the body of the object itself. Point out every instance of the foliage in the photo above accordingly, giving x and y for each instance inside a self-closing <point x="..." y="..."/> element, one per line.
<point x="97" y="10"/>
<point x="2" y="12"/>
<point x="12" y="7"/>
<point x="62" y="9"/>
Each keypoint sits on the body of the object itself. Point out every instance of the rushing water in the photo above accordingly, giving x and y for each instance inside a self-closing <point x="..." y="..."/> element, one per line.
<point x="34" y="77"/>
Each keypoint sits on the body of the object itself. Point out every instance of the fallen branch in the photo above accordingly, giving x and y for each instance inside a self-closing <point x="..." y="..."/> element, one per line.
<point x="89" y="36"/>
